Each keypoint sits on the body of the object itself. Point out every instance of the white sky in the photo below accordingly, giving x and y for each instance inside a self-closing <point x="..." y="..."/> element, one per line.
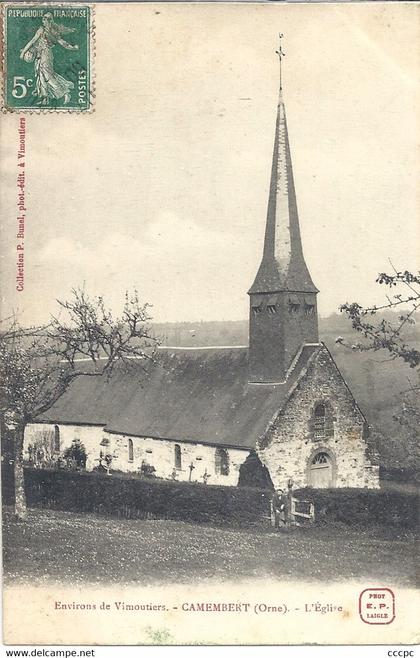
<point x="165" y="186"/>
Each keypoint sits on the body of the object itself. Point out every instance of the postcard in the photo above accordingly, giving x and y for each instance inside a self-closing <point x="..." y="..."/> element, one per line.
<point x="208" y="343"/>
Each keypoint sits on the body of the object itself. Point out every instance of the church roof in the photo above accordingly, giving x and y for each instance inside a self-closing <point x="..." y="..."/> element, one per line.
<point x="198" y="395"/>
<point x="283" y="265"/>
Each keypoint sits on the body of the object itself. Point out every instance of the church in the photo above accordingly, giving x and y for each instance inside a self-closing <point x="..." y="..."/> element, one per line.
<point x="198" y="414"/>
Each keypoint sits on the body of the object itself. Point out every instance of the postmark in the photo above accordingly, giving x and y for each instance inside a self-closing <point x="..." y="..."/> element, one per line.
<point x="377" y="605"/>
<point x="48" y="51"/>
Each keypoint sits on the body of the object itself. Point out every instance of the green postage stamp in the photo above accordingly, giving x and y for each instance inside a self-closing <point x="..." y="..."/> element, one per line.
<point x="47" y="57"/>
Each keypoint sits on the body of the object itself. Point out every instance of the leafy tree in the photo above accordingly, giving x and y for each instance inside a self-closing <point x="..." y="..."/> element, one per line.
<point x="38" y="364"/>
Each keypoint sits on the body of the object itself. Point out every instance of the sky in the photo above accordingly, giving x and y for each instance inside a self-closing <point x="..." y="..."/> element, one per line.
<point x="164" y="186"/>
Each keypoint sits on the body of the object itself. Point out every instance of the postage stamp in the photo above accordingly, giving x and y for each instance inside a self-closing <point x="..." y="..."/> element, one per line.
<point x="47" y="57"/>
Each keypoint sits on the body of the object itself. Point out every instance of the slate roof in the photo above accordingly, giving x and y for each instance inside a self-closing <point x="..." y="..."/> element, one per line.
<point x="199" y="395"/>
<point x="283" y="266"/>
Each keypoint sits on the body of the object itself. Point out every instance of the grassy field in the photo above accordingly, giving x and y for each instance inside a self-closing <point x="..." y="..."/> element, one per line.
<point x="75" y="548"/>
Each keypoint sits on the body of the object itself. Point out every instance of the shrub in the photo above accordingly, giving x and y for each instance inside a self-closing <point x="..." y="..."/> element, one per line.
<point x="75" y="455"/>
<point x="148" y="470"/>
<point x="253" y="473"/>
<point x="363" y="507"/>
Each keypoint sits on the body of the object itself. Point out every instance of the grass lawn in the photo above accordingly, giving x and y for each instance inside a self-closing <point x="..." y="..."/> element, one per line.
<point x="75" y="548"/>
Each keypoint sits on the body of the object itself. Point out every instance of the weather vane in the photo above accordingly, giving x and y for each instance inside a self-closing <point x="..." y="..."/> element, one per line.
<point x="280" y="53"/>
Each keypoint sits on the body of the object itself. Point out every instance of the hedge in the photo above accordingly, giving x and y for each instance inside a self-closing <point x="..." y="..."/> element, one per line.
<point x="363" y="507"/>
<point x="398" y="475"/>
<point x="124" y="497"/>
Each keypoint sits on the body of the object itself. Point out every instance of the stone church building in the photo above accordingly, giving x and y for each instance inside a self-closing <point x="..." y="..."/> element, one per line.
<point x="199" y="413"/>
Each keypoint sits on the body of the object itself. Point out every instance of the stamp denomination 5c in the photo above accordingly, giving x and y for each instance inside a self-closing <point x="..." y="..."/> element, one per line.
<point x="47" y="57"/>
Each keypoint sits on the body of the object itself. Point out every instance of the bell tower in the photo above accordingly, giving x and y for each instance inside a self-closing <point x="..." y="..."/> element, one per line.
<point x="283" y="311"/>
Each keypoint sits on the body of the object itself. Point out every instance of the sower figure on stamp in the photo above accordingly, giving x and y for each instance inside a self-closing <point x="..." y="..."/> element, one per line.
<point x="279" y="504"/>
<point x="49" y="84"/>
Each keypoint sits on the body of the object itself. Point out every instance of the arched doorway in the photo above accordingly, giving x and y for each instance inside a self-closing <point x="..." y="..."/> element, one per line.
<point x="321" y="471"/>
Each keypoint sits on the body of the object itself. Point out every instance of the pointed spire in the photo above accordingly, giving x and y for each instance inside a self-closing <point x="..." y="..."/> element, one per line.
<point x="283" y="266"/>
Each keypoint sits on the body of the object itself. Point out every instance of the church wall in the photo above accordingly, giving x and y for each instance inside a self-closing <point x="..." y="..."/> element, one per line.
<point x="161" y="454"/>
<point x="43" y="433"/>
<point x="292" y="443"/>
<point x="157" y="453"/>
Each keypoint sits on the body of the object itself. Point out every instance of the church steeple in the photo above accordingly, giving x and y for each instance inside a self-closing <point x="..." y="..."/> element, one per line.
<point x="283" y="295"/>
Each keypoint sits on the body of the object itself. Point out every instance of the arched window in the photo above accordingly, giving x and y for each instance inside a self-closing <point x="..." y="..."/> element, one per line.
<point x="319" y="422"/>
<point x="56" y="438"/>
<point x="320" y="459"/>
<point x="221" y="461"/>
<point x="178" y="456"/>
<point x="130" y="450"/>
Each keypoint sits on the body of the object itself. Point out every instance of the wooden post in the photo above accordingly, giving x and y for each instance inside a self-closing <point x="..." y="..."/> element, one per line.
<point x="290" y="517"/>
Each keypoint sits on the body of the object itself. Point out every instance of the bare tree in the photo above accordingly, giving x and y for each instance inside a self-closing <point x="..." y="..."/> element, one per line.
<point x="38" y="364"/>
<point x="388" y="334"/>
<point x="391" y="334"/>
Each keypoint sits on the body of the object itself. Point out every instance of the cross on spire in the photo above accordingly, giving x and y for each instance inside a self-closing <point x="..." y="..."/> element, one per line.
<point x="280" y="54"/>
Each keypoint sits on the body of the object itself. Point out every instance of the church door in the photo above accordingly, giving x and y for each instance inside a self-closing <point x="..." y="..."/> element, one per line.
<point x="320" y="471"/>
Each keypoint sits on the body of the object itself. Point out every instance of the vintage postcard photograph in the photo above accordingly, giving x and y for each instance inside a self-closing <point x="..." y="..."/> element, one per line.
<point x="209" y="346"/>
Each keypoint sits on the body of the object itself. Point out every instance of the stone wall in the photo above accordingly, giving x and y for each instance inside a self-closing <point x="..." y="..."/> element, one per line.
<point x="156" y="452"/>
<point x="294" y="441"/>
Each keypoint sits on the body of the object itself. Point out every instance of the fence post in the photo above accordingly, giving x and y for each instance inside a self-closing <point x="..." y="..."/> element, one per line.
<point x="312" y="512"/>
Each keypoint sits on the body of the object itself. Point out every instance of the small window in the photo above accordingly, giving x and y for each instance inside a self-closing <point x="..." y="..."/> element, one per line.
<point x="309" y="309"/>
<point x="130" y="450"/>
<point x="309" y="305"/>
<point x="271" y="309"/>
<point x="178" y="456"/>
<point x="56" y="438"/>
<point x="221" y="461"/>
<point x="257" y="304"/>
<point x="319" y="424"/>
<point x="294" y="304"/>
